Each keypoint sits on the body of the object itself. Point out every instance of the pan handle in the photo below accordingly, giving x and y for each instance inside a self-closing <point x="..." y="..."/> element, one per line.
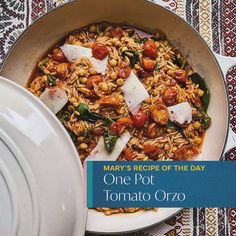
<point x="226" y="63"/>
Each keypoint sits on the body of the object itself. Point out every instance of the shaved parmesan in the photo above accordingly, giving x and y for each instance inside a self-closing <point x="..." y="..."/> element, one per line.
<point x="180" y="113"/>
<point x="75" y="52"/>
<point x="99" y="153"/>
<point x="134" y="93"/>
<point x="54" y="98"/>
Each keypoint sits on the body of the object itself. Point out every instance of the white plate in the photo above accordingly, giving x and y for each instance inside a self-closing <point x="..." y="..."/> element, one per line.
<point x="41" y="177"/>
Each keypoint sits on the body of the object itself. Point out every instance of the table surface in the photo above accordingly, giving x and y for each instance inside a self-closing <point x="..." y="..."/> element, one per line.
<point x="215" y="20"/>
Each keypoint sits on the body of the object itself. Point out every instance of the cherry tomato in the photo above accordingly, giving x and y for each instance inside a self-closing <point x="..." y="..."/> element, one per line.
<point x="123" y="72"/>
<point x="94" y="80"/>
<point x="62" y="70"/>
<point x="126" y="121"/>
<point x="150" y="49"/>
<point x="99" y="51"/>
<point x="180" y="76"/>
<point x="120" y="125"/>
<point x="98" y="131"/>
<point x="148" y="64"/>
<point x="192" y="152"/>
<point x="151" y="150"/>
<point x="111" y="100"/>
<point x="139" y="119"/>
<point x="117" y="128"/>
<point x="197" y="101"/>
<point x="58" y="55"/>
<point x="159" y="113"/>
<point x="116" y="32"/>
<point x="128" y="154"/>
<point x="169" y="96"/>
<point x="144" y="74"/>
<point x="180" y="154"/>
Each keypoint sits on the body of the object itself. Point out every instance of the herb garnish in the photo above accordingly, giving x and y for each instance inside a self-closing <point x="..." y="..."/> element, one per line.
<point x="205" y="99"/>
<point x="172" y="124"/>
<point x="109" y="140"/>
<point x="132" y="55"/>
<point x="42" y="63"/>
<point x="203" y="118"/>
<point x="143" y="40"/>
<point x="51" y="79"/>
<point x="157" y="69"/>
<point x="87" y="115"/>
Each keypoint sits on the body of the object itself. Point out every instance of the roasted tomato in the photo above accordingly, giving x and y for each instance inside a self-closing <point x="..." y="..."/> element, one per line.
<point x="180" y="76"/>
<point x="128" y="154"/>
<point x="99" y="51"/>
<point x="192" y="152"/>
<point x="148" y="64"/>
<point x="150" y="49"/>
<point x="98" y="130"/>
<point x="116" y="32"/>
<point x="139" y="119"/>
<point x="159" y="113"/>
<point x="123" y="72"/>
<point x="58" y="55"/>
<point x="120" y="125"/>
<point x="94" y="80"/>
<point x="197" y="101"/>
<point x="126" y="121"/>
<point x="169" y="96"/>
<point x="154" y="130"/>
<point x="62" y="70"/>
<point x="144" y="74"/>
<point x="117" y="128"/>
<point x="111" y="100"/>
<point x="180" y="154"/>
<point x="151" y="150"/>
<point x="185" y="152"/>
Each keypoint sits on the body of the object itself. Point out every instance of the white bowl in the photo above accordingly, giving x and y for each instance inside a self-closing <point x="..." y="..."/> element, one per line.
<point x="41" y="176"/>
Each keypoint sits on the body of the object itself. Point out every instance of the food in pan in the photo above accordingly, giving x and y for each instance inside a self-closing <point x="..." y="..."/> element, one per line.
<point x="124" y="95"/>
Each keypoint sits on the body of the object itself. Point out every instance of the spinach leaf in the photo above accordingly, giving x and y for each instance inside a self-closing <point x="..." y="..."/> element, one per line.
<point x="132" y="55"/>
<point x="177" y="61"/>
<point x="73" y="136"/>
<point x="205" y="121"/>
<point x="87" y="115"/>
<point x="42" y="63"/>
<point x="51" y="79"/>
<point x="203" y="118"/>
<point x="157" y="67"/>
<point x="103" y="26"/>
<point x="205" y="99"/>
<point x="143" y="40"/>
<point x="109" y="140"/>
<point x="63" y="116"/>
<point x="82" y="108"/>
